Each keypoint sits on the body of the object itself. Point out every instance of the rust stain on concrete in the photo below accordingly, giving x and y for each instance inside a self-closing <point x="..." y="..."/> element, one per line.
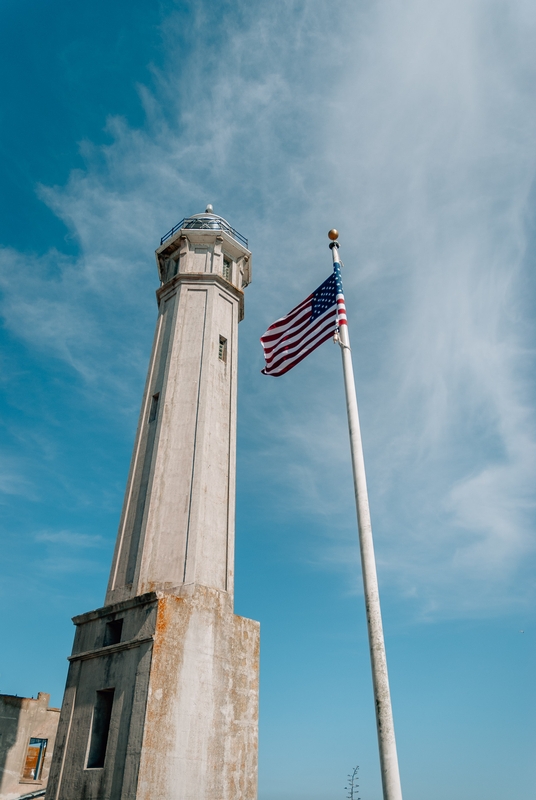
<point x="201" y="724"/>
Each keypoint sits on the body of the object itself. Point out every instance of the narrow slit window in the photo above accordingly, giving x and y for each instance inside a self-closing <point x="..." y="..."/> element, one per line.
<point x="102" y="715"/>
<point x="112" y="632"/>
<point x="222" y="350"/>
<point x="35" y="757"/>
<point x="154" y="407"/>
<point x="227" y="269"/>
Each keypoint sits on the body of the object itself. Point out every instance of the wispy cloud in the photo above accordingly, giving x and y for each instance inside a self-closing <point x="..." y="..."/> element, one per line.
<point x="13" y="480"/>
<point x="66" y="552"/>
<point x="447" y="182"/>
<point x="69" y="565"/>
<point x="71" y="539"/>
<point x="412" y="132"/>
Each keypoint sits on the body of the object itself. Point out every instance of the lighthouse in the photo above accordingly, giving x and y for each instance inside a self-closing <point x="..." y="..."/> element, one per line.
<point x="161" y="699"/>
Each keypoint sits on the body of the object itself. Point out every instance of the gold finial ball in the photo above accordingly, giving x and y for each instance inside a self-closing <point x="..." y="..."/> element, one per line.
<point x="333" y="234"/>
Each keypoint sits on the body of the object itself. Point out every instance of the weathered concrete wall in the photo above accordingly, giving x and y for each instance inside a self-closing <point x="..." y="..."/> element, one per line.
<point x="184" y="673"/>
<point x="94" y="666"/>
<point x="184" y="717"/>
<point x="201" y="728"/>
<point x="22" y="718"/>
<point x="177" y="524"/>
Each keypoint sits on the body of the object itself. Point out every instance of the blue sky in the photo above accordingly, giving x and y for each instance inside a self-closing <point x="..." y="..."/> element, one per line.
<point x="410" y="126"/>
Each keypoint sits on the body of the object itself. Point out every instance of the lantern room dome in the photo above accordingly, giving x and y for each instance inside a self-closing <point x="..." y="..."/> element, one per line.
<point x="206" y="221"/>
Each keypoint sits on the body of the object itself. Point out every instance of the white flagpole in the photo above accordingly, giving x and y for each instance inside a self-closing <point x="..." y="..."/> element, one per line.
<point x="392" y="789"/>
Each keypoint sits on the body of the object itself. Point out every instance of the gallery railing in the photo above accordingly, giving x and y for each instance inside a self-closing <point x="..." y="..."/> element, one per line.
<point x="208" y="222"/>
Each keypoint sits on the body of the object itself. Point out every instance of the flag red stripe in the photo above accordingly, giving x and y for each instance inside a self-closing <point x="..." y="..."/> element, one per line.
<point x="293" y="337"/>
<point x="276" y="335"/>
<point x="288" y="365"/>
<point x="305" y="346"/>
<point x="289" y="343"/>
<point x="288" y="353"/>
<point x="283" y="322"/>
<point x="290" y="336"/>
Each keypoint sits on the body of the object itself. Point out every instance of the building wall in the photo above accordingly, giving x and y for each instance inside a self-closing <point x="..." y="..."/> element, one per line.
<point x="23" y="718"/>
<point x="161" y="701"/>
<point x="201" y="726"/>
<point x="178" y="518"/>
<point x="183" y="723"/>
<point x="96" y="666"/>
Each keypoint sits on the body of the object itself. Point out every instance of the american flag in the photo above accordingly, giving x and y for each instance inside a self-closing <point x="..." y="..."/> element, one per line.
<point x="290" y="339"/>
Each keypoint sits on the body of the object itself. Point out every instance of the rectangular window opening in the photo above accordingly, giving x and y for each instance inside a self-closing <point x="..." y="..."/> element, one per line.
<point x="222" y="350"/>
<point x="35" y="757"/>
<point x="102" y="714"/>
<point x="154" y="407"/>
<point x="112" y="632"/>
<point x="227" y="269"/>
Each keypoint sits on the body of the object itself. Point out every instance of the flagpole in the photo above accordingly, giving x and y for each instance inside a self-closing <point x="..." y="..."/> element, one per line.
<point x="392" y="789"/>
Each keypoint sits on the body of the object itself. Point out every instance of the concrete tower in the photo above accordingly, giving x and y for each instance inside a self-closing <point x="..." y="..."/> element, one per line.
<point x="161" y="700"/>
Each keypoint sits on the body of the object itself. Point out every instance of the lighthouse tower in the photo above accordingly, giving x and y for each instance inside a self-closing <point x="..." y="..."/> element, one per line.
<point x="161" y="700"/>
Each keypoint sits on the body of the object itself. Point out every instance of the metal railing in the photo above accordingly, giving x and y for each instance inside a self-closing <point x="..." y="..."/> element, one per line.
<point x="208" y="222"/>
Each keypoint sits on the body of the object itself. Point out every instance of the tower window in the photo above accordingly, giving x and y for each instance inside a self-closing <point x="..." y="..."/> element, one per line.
<point x="35" y="757"/>
<point x="227" y="269"/>
<point x="102" y="715"/>
<point x="113" y="631"/>
<point x="222" y="350"/>
<point x="154" y="407"/>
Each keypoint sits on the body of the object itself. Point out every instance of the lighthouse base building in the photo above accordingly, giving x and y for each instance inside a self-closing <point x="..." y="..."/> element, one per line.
<point x="161" y="701"/>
